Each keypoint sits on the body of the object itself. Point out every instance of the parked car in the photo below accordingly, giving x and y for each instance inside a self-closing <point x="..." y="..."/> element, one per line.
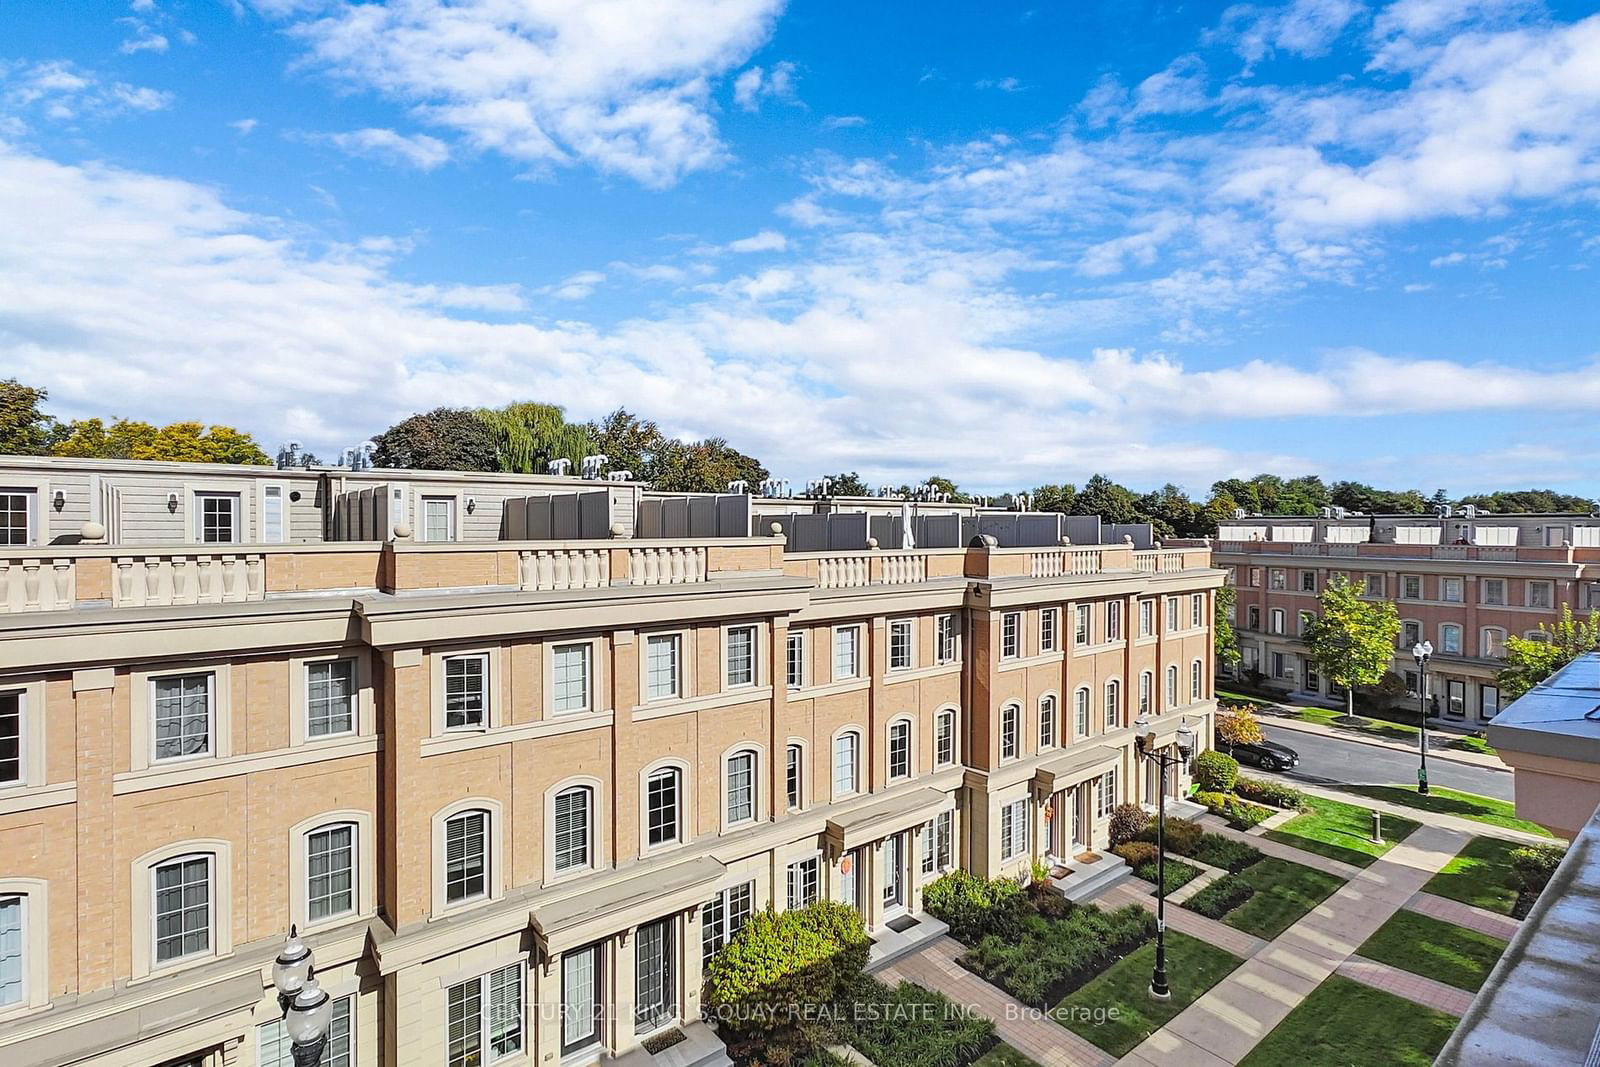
<point x="1268" y="755"/>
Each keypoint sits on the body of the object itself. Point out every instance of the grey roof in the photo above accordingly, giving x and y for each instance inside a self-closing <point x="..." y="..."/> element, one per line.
<point x="1560" y="717"/>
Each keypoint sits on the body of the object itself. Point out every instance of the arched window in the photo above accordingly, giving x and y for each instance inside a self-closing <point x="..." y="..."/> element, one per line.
<point x="900" y="749"/>
<point x="1047" y="721"/>
<point x="1172" y="686"/>
<point x="1450" y="638"/>
<point x="1011" y="731"/>
<point x="1147" y="685"/>
<point x="332" y="864"/>
<point x="663" y="807"/>
<point x="1196" y="681"/>
<point x="1080" y="711"/>
<point x="846" y="764"/>
<point x="793" y="776"/>
<point x="1492" y="642"/>
<point x="574" y="814"/>
<point x="466" y="856"/>
<point x="944" y="737"/>
<point x="740" y="789"/>
<point x="1113" y="704"/>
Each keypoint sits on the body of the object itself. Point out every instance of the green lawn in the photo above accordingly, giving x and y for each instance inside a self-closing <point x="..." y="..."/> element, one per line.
<point x="1434" y="948"/>
<point x="1284" y="892"/>
<point x="1344" y="1022"/>
<point x="1192" y="966"/>
<point x="1179" y="873"/>
<point x="1468" y="743"/>
<point x="1480" y="874"/>
<point x="1341" y="831"/>
<point x="1003" y="1056"/>
<point x="1334" y="718"/>
<point x="1502" y="813"/>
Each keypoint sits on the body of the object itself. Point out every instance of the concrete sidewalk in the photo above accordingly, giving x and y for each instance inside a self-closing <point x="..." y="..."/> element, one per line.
<point x="1431" y="818"/>
<point x="1227" y="1022"/>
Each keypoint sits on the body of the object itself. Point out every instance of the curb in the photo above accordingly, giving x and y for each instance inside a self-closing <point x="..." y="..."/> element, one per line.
<point x="1308" y="728"/>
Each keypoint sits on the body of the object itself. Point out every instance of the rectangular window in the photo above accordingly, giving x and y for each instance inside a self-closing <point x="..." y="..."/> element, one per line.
<point x="438" y="518"/>
<point x="1277" y="620"/>
<point x="1306" y="619"/>
<point x="1080" y="712"/>
<point x="331" y="872"/>
<point x="11" y="737"/>
<point x="944" y="835"/>
<point x="845" y="760"/>
<point x="182" y="908"/>
<point x="1410" y="587"/>
<point x="466" y="857"/>
<point x="945" y="638"/>
<point x="1049" y="624"/>
<point x="1081" y="634"/>
<point x="1488" y="701"/>
<point x="1450" y="590"/>
<point x="572" y="829"/>
<point x="1197" y="611"/>
<point x="1308" y="581"/>
<point x="330" y="697"/>
<point x="661" y="808"/>
<point x="1494" y="591"/>
<point x="1172" y="613"/>
<point x="723" y="915"/>
<point x="485" y="1018"/>
<point x="1410" y="635"/>
<point x="1253" y="618"/>
<point x="1146" y="683"/>
<point x="570" y="675"/>
<point x="1539" y="594"/>
<point x="803" y="881"/>
<point x="741" y="656"/>
<point x="900" y="750"/>
<point x="1280" y="666"/>
<point x="272" y="524"/>
<point x="466" y="692"/>
<point x="275" y="1048"/>
<point x="183" y="716"/>
<point x="16" y="517"/>
<point x="1113" y="704"/>
<point x="900" y="645"/>
<point x="1255" y="577"/>
<point x="795" y="660"/>
<point x="1014" y="829"/>
<point x="1375" y="585"/>
<point x="791" y="776"/>
<point x="1114" y="620"/>
<point x="945" y="738"/>
<point x="13" y="939"/>
<point x="216" y="518"/>
<point x="663" y="660"/>
<point x="846" y="652"/>
<point x="1277" y="579"/>
<point x="1011" y="635"/>
<point x="1147" y="618"/>
<point x="925" y="848"/>
<point x="1047" y="722"/>
<point x="741" y="787"/>
<point x="1450" y="638"/>
<point x="1010" y="731"/>
<point x="1105" y="795"/>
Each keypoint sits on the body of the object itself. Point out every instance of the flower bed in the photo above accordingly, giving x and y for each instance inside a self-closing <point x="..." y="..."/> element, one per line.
<point x="1274" y="794"/>
<point x="910" y="1024"/>
<point x="1241" y="814"/>
<point x="1220" y="897"/>
<point x="1186" y="838"/>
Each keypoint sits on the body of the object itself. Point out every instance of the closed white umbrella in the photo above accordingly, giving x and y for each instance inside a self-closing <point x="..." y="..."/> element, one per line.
<point x="908" y="537"/>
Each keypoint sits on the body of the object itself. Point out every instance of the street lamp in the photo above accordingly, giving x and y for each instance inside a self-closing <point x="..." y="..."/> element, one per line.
<point x="1145" y="739"/>
<point x="307" y="1009"/>
<point x="1420" y="653"/>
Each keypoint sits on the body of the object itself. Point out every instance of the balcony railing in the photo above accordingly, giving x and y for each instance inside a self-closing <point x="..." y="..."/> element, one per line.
<point x="1057" y="562"/>
<point x="37" y="584"/>
<point x="1160" y="561"/>
<point x="564" y="568"/>
<point x="188" y="578"/>
<point x="671" y="565"/>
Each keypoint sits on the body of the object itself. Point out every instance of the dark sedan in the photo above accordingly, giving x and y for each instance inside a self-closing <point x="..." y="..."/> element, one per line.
<point x="1268" y="755"/>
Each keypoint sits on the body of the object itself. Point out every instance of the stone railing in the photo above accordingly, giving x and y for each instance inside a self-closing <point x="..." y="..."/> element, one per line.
<point x="671" y="565"/>
<point x="563" y="568"/>
<point x="1160" y="561"/>
<point x="188" y="578"/>
<point x="1057" y="562"/>
<point x="36" y="584"/>
<point x="844" y="571"/>
<point x="855" y="570"/>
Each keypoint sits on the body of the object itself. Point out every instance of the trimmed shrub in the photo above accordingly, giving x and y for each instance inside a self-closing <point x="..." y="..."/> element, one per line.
<point x="910" y="1024"/>
<point x="973" y="907"/>
<point x="777" y="961"/>
<point x="1215" y="771"/>
<point x="1128" y="821"/>
<point x="1048" y="958"/>
<point x="1178" y="873"/>
<point x="1136" y="852"/>
<point x="1214" y="850"/>
<point x="1263" y="792"/>
<point x="1220" y="897"/>
<point x="1533" y="866"/>
<point x="1241" y="814"/>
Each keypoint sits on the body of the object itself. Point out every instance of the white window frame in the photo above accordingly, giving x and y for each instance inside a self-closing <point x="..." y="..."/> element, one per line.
<point x="355" y="872"/>
<point x="486" y="1013"/>
<point x="1497" y="598"/>
<point x="1080" y="711"/>
<point x="673" y="773"/>
<point x="1197" y="611"/>
<point x="902" y="640"/>
<point x="1278" y="619"/>
<point x="1147" y="692"/>
<point x="1112" y="699"/>
<point x="1196" y="681"/>
<point x="1447" y="585"/>
<point x="1408" y="582"/>
<point x="1048" y="724"/>
<point x="794" y="647"/>
<point x="1492" y="642"/>
<point x="1170" y="610"/>
<point x="214" y="706"/>
<point x="946" y="639"/>
<point x="587" y="704"/>
<point x="1049" y="630"/>
<point x="452" y="514"/>
<point x="1172" y="687"/>
<point x="1082" y="625"/>
<point x="494" y="873"/>
<point x="1105" y="794"/>
<point x="31" y="495"/>
<point x="489" y="858"/>
<point x="1014" y="830"/>
<point x="841" y="787"/>
<point x="1113" y="620"/>
<point x="235" y="501"/>
<point x="794" y="775"/>
<point x="1010" y="635"/>
<point x="940" y="718"/>
<point x="210" y="950"/>
<point x="1375" y="584"/>
<point x="265" y="492"/>
<point x="590" y="823"/>
<point x="1549" y="593"/>
<point x="852" y="631"/>
<point x="806" y="875"/>
<point x="1444" y="642"/>
<point x="1010" y="731"/>
<point x="354" y="699"/>
<point x="273" y="1030"/>
<point x="30" y="734"/>
<point x="753" y="668"/>
<point x="674" y="642"/>
<point x="487" y="696"/>
<point x="904" y="727"/>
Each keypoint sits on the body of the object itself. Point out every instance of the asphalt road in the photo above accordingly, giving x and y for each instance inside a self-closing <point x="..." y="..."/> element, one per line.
<point x="1325" y="760"/>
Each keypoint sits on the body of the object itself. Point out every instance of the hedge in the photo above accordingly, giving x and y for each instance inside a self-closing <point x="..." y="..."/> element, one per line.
<point x="1220" y="897"/>
<point x="1264" y="792"/>
<point x="1215" y="771"/>
<point x="1048" y="958"/>
<point x="911" y="1025"/>
<point x="1241" y="814"/>
<point x="1136" y="852"/>
<point x="972" y="906"/>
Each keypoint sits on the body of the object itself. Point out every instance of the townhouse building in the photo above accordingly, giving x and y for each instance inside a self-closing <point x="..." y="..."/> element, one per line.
<point x="517" y="755"/>
<point x="1464" y="582"/>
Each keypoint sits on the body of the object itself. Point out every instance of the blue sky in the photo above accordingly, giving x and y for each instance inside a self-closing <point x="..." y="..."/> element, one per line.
<point x="1010" y="243"/>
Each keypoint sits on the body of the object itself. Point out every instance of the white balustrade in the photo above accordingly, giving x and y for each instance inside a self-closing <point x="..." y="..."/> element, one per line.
<point x="1060" y="562"/>
<point x="210" y="578"/>
<point x="564" y="568"/>
<point x="843" y="572"/>
<point x="905" y="569"/>
<point x="670" y="565"/>
<point x="36" y="584"/>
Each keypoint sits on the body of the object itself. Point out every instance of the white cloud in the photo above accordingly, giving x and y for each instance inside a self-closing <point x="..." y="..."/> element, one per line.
<point x="63" y="92"/>
<point x="1303" y="27"/>
<point x="842" y="122"/>
<point x="575" y="286"/>
<point x="765" y="241"/>
<point x="144" y="39"/>
<point x="417" y="150"/>
<point x="244" y="127"/>
<point x="755" y="83"/>
<point x="1448" y="260"/>
<point x="1177" y="90"/>
<point x="1005" y="85"/>
<point x="622" y="85"/>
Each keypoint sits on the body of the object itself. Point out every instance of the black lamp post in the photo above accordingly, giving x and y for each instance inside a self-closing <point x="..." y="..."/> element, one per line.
<point x="307" y="1008"/>
<point x="1421" y="653"/>
<point x="1145" y="740"/>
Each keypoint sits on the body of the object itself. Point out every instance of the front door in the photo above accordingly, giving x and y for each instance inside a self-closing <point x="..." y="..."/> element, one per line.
<point x="581" y="1003"/>
<point x="1456" y="705"/>
<point x="1080" y="841"/>
<point x="894" y="873"/>
<point x="1488" y="701"/>
<point x="656" y="1002"/>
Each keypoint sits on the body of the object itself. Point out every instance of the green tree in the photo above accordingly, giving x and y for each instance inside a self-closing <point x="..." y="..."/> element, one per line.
<point x="25" y="430"/>
<point x="1170" y="511"/>
<point x="1060" y="498"/>
<point x="1530" y="661"/>
<point x="1352" y="641"/>
<point x="177" y="442"/>
<point x="444" y="439"/>
<point x="628" y="442"/>
<point x="1103" y="497"/>
<point x="705" y="467"/>
<point x="847" y="483"/>
<point x="1227" y="641"/>
<point x="528" y="435"/>
<point x="1537" y="500"/>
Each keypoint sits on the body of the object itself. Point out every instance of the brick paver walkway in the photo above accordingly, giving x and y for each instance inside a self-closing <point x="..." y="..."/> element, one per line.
<point x="1235" y="1014"/>
<point x="1413" y="987"/>
<point x="1453" y="911"/>
<point x="1026" y="1029"/>
<point x="1217" y="825"/>
<point x="1183" y="920"/>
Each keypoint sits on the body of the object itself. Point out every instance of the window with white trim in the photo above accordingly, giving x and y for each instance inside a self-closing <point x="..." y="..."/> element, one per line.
<point x="663" y="805"/>
<point x="438" y="518"/>
<point x="1450" y="590"/>
<point x="571" y="675"/>
<point x="1450" y="638"/>
<point x="846" y="763"/>
<point x="795" y="659"/>
<point x="846" y="652"/>
<point x="1147" y="685"/>
<point x="13" y="950"/>
<point x="1277" y="620"/>
<point x="1105" y="793"/>
<point x="1306" y="619"/>
<point x="1277" y="579"/>
<point x="466" y="856"/>
<point x="182" y="902"/>
<point x="1113" y="702"/>
<point x="184" y="710"/>
<point x="1014" y="829"/>
<point x="944" y="839"/>
<point x="466" y="692"/>
<point x="663" y="666"/>
<point x="1080" y="625"/>
<point x="1047" y="722"/>
<point x="1114" y="620"/>
<point x="945" y="638"/>
<point x="928" y="862"/>
<point x="1410" y="635"/>
<point x="16" y="516"/>
<point x="1540" y="594"/>
<point x="793" y="776"/>
<point x="1374" y="585"/>
<point x="1492" y="591"/>
<point x="899" y="750"/>
<point x="1197" y="610"/>
<point x="944" y="737"/>
<point x="271" y="520"/>
<point x="723" y="915"/>
<point x="1308" y="581"/>
<point x="1049" y="626"/>
<point x="741" y="647"/>
<point x="900" y="645"/>
<point x="275" y="1048"/>
<point x="1080" y="711"/>
<point x="1492" y="641"/>
<point x="1147" y="618"/>
<point x="804" y="876"/>
<point x="1196" y="681"/>
<point x="216" y="518"/>
<point x="741" y="787"/>
<point x="1010" y="731"/>
<point x="1410" y="587"/>
<point x="1011" y="635"/>
<point x="330" y="698"/>
<point x="1172" y="613"/>
<point x="574" y="809"/>
<point x="11" y="740"/>
<point x="331" y="872"/>
<point x="1172" y="686"/>
<point x="485" y="1018"/>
